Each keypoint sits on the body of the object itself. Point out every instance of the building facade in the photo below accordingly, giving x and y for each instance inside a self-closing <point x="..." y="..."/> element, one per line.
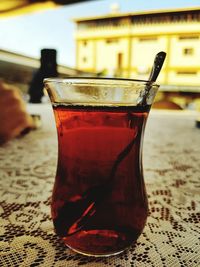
<point x="124" y="45"/>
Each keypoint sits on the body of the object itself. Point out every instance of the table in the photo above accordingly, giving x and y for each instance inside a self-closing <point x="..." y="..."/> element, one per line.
<point x="172" y="175"/>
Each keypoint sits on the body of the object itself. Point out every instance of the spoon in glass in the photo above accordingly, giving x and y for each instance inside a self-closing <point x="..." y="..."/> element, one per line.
<point x="81" y="210"/>
<point x="155" y="70"/>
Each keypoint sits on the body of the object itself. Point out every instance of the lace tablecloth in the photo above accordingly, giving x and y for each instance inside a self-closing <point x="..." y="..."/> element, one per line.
<point x="172" y="174"/>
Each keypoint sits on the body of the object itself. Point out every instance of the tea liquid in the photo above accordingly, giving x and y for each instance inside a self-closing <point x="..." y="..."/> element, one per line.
<point x="99" y="204"/>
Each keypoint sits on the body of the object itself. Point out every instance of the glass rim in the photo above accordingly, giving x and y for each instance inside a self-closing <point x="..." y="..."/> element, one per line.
<point x="99" y="81"/>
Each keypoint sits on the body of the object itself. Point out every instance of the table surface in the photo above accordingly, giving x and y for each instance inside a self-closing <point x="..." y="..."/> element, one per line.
<point x="171" y="159"/>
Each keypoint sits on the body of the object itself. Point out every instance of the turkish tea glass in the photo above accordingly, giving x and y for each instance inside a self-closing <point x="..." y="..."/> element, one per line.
<point x="99" y="203"/>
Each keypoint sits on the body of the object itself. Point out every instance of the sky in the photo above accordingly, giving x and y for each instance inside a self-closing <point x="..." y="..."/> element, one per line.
<point x="29" y="33"/>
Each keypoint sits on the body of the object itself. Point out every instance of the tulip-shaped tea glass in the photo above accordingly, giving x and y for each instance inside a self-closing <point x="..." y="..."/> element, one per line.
<point x="99" y="203"/>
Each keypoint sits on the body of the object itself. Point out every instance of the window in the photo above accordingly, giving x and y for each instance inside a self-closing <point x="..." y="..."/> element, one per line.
<point x="189" y="37"/>
<point x="111" y="41"/>
<point x="119" y="60"/>
<point x="186" y="72"/>
<point x="84" y="59"/>
<point x="147" y="39"/>
<point x="188" y="51"/>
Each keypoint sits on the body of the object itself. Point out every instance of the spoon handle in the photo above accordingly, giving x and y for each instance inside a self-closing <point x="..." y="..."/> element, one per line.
<point x="158" y="63"/>
<point x="156" y="68"/>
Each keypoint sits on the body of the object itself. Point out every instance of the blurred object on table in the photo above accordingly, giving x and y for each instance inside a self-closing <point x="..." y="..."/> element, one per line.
<point x="166" y="104"/>
<point x="14" y="119"/>
<point x="37" y="121"/>
<point x="48" y="68"/>
<point x="198" y="122"/>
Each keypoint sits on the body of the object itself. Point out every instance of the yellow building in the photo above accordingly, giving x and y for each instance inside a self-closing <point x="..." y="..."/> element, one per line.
<point x="124" y="44"/>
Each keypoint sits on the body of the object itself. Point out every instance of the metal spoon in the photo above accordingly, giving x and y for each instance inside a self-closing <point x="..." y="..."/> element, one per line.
<point x="156" y="68"/>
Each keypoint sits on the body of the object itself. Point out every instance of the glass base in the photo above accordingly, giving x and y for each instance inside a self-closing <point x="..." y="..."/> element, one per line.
<point x="96" y="255"/>
<point x="100" y="243"/>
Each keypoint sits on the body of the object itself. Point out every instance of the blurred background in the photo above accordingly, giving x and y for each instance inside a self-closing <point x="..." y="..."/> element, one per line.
<point x="105" y="38"/>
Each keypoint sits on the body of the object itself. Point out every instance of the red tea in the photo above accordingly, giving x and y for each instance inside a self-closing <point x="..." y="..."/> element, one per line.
<point x="99" y="203"/>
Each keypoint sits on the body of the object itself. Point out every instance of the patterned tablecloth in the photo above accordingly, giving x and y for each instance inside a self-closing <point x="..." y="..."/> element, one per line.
<point x="172" y="174"/>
